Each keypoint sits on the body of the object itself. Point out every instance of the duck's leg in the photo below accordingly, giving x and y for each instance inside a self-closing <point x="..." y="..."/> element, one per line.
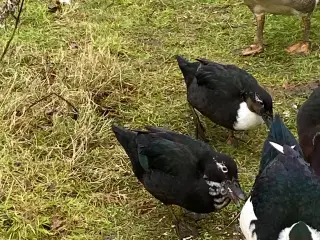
<point x="304" y="46"/>
<point x="183" y="229"/>
<point x="257" y="46"/>
<point x="233" y="140"/>
<point x="200" y="130"/>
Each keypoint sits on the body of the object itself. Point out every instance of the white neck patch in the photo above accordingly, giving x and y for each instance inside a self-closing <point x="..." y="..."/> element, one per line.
<point x="246" y="119"/>
<point x="284" y="234"/>
<point x="246" y="216"/>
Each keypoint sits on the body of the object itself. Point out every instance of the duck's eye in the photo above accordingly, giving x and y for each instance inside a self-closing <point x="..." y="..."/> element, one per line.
<point x="223" y="190"/>
<point x="224" y="169"/>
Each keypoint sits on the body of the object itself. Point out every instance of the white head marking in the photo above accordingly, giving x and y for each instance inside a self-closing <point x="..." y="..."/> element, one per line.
<point x="222" y="167"/>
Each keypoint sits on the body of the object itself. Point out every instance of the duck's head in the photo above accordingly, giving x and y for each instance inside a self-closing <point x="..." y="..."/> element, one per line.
<point x="261" y="104"/>
<point x="299" y="231"/>
<point x="222" y="179"/>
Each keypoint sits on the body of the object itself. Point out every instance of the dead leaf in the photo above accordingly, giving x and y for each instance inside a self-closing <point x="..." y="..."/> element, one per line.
<point x="56" y="223"/>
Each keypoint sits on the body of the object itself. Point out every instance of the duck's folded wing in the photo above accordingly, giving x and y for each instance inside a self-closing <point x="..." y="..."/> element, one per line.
<point x="281" y="135"/>
<point x="165" y="187"/>
<point x="183" y="191"/>
<point x="226" y="78"/>
<point x="170" y="157"/>
<point x="272" y="189"/>
<point x="286" y="190"/>
<point x="197" y="147"/>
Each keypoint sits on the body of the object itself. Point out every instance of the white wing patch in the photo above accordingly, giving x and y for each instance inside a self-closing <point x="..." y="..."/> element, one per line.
<point x="256" y="97"/>
<point x="246" y="216"/>
<point x="246" y="119"/>
<point x="278" y="146"/>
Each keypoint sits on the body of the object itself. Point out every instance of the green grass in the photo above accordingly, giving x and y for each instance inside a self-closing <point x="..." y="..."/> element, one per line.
<point x="62" y="178"/>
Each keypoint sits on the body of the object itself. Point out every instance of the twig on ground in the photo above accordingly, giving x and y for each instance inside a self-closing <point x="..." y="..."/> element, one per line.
<point x="75" y="110"/>
<point x="14" y="30"/>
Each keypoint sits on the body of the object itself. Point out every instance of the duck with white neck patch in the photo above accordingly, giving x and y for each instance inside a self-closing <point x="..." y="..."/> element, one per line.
<point x="227" y="95"/>
<point x="284" y="201"/>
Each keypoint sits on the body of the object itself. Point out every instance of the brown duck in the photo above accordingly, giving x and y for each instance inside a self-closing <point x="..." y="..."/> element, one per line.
<point x="302" y="8"/>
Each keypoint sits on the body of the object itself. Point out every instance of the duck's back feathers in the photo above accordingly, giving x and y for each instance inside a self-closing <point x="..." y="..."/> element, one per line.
<point x="198" y="147"/>
<point x="160" y="151"/>
<point x="155" y="149"/>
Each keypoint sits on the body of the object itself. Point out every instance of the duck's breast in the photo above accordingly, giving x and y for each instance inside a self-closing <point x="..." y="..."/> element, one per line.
<point x="246" y="119"/>
<point x="246" y="216"/>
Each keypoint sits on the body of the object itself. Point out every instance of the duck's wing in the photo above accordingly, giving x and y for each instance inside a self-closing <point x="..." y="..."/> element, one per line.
<point x="227" y="80"/>
<point x="271" y="198"/>
<point x="287" y="191"/>
<point x="281" y="135"/>
<point x="161" y="154"/>
<point x="197" y="147"/>
<point x="164" y="187"/>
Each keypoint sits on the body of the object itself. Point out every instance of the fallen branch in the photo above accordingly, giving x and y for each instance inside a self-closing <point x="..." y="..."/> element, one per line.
<point x="15" y="28"/>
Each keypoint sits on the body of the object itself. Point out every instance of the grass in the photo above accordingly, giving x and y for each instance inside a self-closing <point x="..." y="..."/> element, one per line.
<point x="62" y="178"/>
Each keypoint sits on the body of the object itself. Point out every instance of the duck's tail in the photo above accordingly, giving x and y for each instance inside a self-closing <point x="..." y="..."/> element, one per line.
<point x="278" y="134"/>
<point x="127" y="139"/>
<point x="187" y="68"/>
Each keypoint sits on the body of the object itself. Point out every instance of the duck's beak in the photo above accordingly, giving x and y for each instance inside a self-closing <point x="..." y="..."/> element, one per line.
<point x="268" y="119"/>
<point x="235" y="192"/>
